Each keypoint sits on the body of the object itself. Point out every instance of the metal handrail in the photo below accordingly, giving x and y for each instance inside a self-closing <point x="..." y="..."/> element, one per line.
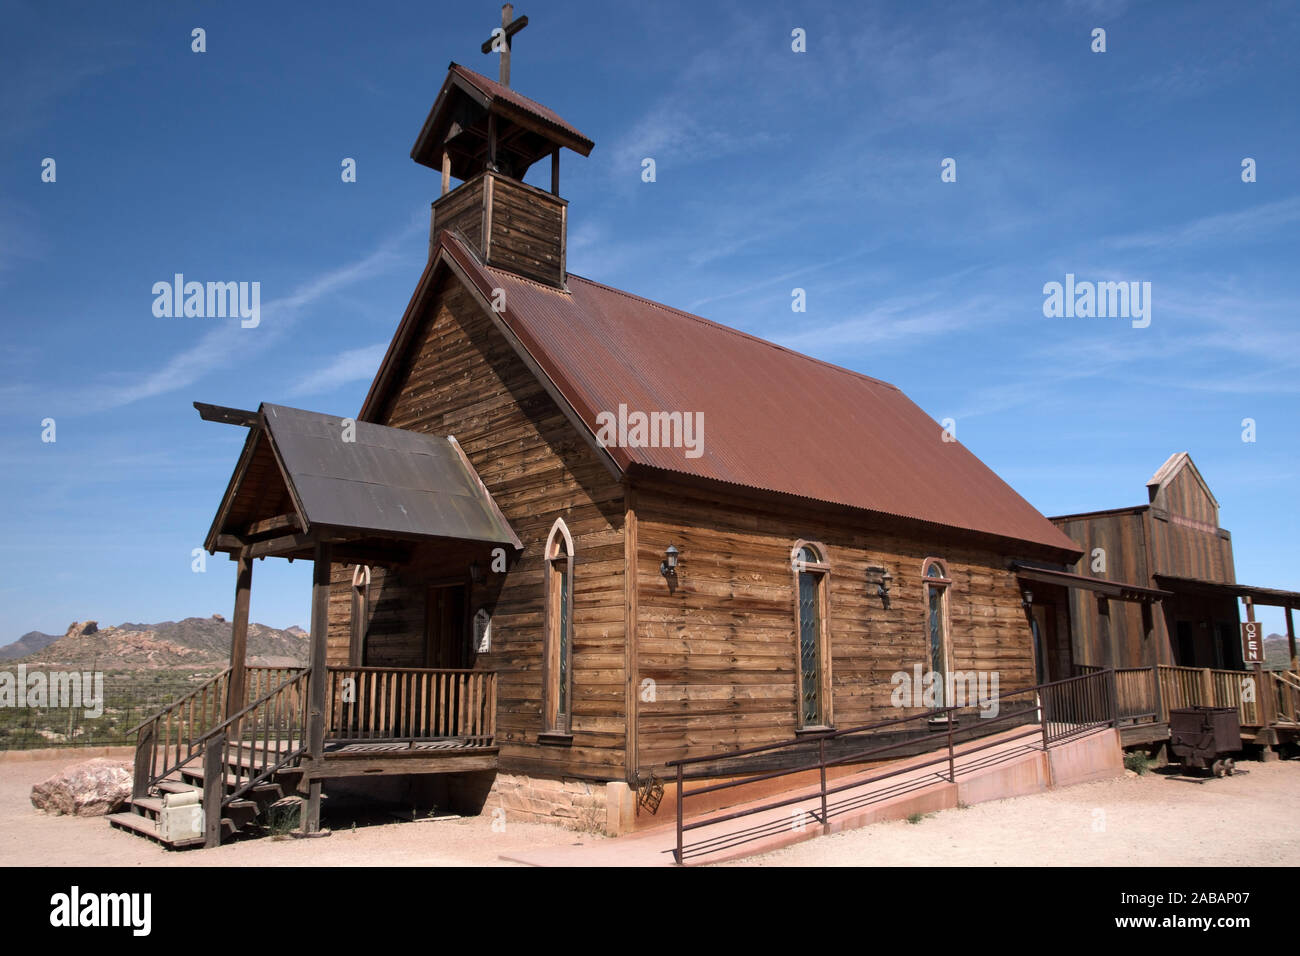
<point x="1106" y="699"/>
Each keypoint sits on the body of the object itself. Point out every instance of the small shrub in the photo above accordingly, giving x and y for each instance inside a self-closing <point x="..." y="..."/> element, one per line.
<point x="1137" y="761"/>
<point x="282" y="819"/>
<point x="915" y="817"/>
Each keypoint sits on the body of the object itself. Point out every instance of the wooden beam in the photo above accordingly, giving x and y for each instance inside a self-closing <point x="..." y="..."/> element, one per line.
<point x="281" y="545"/>
<point x="555" y="171"/>
<point x="239" y="634"/>
<point x="366" y="554"/>
<point x="1290" y="639"/>
<point x="630" y="615"/>
<point x="320" y="618"/>
<point x="289" y="522"/>
<point x="228" y="542"/>
<point x="227" y="416"/>
<point x="446" y="171"/>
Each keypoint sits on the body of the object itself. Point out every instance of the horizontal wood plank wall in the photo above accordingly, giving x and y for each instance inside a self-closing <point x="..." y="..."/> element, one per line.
<point x="462" y="378"/>
<point x="527" y="231"/>
<point x="461" y="210"/>
<point x="1122" y="537"/>
<point x="721" y="649"/>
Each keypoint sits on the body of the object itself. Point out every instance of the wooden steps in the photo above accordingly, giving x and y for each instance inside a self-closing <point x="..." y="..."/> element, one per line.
<point x="144" y="814"/>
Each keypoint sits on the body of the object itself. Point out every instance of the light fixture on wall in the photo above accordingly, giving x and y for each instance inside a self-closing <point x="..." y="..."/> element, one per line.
<point x="883" y="577"/>
<point x="668" y="566"/>
<point x="475" y="572"/>
<point x="1027" y="599"/>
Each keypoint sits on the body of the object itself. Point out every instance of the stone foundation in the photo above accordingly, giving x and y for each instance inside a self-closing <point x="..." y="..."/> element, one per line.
<point x="584" y="805"/>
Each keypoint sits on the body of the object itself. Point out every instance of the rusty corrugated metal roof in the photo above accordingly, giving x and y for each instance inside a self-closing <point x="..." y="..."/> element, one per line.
<point x="387" y="481"/>
<point x="494" y="90"/>
<point x="773" y="419"/>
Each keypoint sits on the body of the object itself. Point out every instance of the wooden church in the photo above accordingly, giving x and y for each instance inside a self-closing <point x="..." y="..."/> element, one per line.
<point x="573" y="534"/>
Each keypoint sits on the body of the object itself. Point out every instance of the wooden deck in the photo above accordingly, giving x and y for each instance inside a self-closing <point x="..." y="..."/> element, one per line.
<point x="365" y="721"/>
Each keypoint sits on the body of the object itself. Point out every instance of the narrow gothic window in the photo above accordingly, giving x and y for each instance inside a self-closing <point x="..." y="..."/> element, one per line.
<point x="936" y="601"/>
<point x="557" y="694"/>
<point x="812" y="575"/>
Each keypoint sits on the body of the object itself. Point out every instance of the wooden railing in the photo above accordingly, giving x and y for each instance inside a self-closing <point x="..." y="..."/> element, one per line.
<point x="403" y="703"/>
<point x="170" y="737"/>
<point x="1286" y="688"/>
<point x="1208" y="687"/>
<point x="1138" y="690"/>
<point x="251" y="746"/>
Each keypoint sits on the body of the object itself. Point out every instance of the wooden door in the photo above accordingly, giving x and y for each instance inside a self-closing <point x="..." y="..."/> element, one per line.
<point x="446" y="632"/>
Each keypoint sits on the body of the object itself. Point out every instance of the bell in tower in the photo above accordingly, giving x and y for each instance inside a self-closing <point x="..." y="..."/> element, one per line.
<point x="483" y="133"/>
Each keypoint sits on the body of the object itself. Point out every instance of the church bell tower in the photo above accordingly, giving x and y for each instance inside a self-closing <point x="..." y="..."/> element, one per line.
<point x="486" y="135"/>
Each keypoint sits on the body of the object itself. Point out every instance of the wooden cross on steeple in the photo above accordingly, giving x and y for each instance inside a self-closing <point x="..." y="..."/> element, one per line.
<point x="499" y="41"/>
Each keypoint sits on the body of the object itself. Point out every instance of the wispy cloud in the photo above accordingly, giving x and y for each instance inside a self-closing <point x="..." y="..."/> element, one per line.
<point x="1253" y="224"/>
<point x="228" y="344"/>
<point x="350" y="366"/>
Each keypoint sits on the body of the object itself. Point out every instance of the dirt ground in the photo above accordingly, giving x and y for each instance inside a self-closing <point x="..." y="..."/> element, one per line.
<point x="1156" y="819"/>
<point x="29" y="837"/>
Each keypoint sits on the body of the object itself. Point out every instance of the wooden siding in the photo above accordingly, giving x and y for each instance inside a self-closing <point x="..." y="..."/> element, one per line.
<point x="526" y="230"/>
<point x="721" y="648"/>
<point x="1184" y="495"/>
<point x="1122" y="537"/>
<point x="1190" y="552"/>
<point x="462" y="378"/>
<point x="461" y="211"/>
<point x="510" y="224"/>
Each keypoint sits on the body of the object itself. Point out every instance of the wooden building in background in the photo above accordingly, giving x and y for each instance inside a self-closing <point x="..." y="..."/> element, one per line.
<point x="1172" y="544"/>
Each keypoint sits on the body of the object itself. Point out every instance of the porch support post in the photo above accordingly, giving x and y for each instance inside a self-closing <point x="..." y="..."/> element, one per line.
<point x="239" y="634"/>
<point x="320" y="595"/>
<point x="1265" y="702"/>
<point x="1290" y="639"/>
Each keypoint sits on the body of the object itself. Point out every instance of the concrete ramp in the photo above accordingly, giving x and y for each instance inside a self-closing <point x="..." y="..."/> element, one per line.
<point x="1005" y="765"/>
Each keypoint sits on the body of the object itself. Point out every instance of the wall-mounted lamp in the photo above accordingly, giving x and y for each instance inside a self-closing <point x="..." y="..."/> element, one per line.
<point x="1027" y="599"/>
<point x="475" y="572"/>
<point x="668" y="566"/>
<point x="883" y="577"/>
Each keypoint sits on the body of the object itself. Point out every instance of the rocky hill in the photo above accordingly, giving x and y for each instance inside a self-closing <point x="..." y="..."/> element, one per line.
<point x="195" y="643"/>
<point x="29" y="643"/>
<point x="1277" y="651"/>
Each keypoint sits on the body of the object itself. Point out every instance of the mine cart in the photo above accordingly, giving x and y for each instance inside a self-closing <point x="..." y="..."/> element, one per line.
<point x="1205" y="737"/>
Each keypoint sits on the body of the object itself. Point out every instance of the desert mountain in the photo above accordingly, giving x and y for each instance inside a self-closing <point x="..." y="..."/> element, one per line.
<point x="1277" y="651"/>
<point x="29" y="643"/>
<point x="195" y="642"/>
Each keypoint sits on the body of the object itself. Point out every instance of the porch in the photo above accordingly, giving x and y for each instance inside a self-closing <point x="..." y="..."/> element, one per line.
<point x="315" y="487"/>
<point x="1267" y="702"/>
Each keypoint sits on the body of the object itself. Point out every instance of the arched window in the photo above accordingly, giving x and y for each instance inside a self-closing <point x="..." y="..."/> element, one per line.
<point x="811" y="588"/>
<point x="557" y="643"/>
<point x="360" y="615"/>
<point x="937" y="583"/>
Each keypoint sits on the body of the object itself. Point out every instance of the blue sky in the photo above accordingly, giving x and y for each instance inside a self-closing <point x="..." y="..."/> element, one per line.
<point x="775" y="170"/>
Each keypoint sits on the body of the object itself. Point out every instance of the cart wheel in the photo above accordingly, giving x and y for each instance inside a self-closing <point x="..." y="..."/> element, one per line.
<point x="1230" y="766"/>
<point x="1217" y="768"/>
